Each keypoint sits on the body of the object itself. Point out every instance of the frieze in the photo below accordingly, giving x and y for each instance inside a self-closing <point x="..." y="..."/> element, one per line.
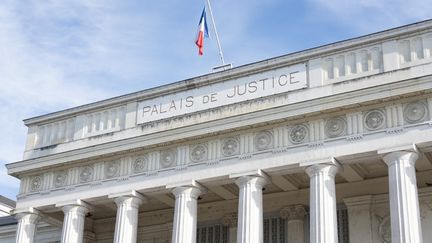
<point x="198" y="152"/>
<point x="168" y="158"/>
<point x="299" y="134"/>
<point x="36" y="183"/>
<point x="263" y="140"/>
<point x="374" y="120"/>
<point x="112" y="169"/>
<point x="415" y="112"/>
<point x="60" y="178"/>
<point x="230" y="146"/>
<point x="335" y="127"/>
<point x="86" y="174"/>
<point x="209" y="152"/>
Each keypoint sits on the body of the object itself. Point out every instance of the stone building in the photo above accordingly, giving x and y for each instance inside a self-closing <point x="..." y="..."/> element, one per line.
<point x="330" y="144"/>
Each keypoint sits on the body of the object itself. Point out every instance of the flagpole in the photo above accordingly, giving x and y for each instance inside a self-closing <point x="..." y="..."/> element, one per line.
<point x="216" y="34"/>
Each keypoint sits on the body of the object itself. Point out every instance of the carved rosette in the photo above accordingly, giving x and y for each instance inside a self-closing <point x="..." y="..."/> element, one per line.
<point x="36" y="183"/>
<point x="60" y="178"/>
<point x="263" y="140"/>
<point x="86" y="174"/>
<point x="415" y="112"/>
<point x="140" y="164"/>
<point x="230" y="146"/>
<point x="295" y="212"/>
<point x="335" y="127"/>
<point x="230" y="220"/>
<point x="112" y="169"/>
<point x="168" y="158"/>
<point x="198" y="152"/>
<point x="374" y="120"/>
<point x="298" y="134"/>
<point x="384" y="230"/>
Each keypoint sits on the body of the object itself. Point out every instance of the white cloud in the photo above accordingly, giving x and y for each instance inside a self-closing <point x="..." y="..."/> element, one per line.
<point x="375" y="15"/>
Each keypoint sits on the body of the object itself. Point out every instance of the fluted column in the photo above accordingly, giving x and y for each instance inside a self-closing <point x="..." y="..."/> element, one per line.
<point x="323" y="221"/>
<point x="250" y="209"/>
<point x="73" y="224"/>
<point x="230" y="221"/>
<point x="127" y="218"/>
<point x="404" y="204"/>
<point x="26" y="226"/>
<point x="185" y="214"/>
<point x="295" y="216"/>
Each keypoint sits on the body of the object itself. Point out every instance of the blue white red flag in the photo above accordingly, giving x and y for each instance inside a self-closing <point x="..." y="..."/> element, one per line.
<point x="202" y="32"/>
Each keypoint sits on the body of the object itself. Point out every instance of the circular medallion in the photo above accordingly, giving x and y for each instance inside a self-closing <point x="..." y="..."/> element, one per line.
<point x="86" y="174"/>
<point x="198" y="153"/>
<point x="230" y="146"/>
<point x="36" y="183"/>
<point x="140" y="164"/>
<point x="335" y="127"/>
<point x="374" y="120"/>
<point x="263" y="140"/>
<point x="168" y="158"/>
<point x="60" y="178"/>
<point x="112" y="169"/>
<point x="415" y="112"/>
<point x="298" y="134"/>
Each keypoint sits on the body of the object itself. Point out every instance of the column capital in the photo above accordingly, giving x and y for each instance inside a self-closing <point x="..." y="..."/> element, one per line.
<point x="191" y="191"/>
<point x="254" y="180"/>
<point x="29" y="217"/>
<point x="293" y="212"/>
<point x="230" y="220"/>
<point x="78" y="204"/>
<point x="392" y="157"/>
<point x="131" y="198"/>
<point x="330" y="169"/>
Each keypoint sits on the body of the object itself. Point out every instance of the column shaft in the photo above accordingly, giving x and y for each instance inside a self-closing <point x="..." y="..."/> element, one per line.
<point x="250" y="209"/>
<point x="185" y="214"/>
<point x="323" y="221"/>
<point x="127" y="219"/>
<point x="26" y="227"/>
<point x="73" y="224"/>
<point x="403" y="195"/>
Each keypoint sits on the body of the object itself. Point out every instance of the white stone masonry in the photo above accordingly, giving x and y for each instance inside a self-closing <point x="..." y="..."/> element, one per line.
<point x="323" y="221"/>
<point x="403" y="196"/>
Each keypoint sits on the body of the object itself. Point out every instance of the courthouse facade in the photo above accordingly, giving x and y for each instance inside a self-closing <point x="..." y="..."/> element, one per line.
<point x="331" y="144"/>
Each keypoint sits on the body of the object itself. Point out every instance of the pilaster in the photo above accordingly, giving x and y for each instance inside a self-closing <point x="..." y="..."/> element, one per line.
<point x="294" y="216"/>
<point x="230" y="220"/>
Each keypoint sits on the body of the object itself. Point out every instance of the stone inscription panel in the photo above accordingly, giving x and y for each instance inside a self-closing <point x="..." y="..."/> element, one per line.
<point x="224" y="93"/>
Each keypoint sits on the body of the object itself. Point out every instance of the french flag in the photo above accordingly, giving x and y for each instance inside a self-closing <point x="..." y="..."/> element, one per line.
<point x="202" y="32"/>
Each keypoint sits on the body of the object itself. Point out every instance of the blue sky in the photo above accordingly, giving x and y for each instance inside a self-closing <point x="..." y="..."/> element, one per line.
<point x="58" y="54"/>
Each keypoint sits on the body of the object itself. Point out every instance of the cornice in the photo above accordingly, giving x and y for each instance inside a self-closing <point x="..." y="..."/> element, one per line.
<point x="248" y="69"/>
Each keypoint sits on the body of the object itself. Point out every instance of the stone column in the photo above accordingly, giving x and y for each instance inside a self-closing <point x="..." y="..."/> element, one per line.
<point x="323" y="220"/>
<point x="230" y="221"/>
<point x="404" y="204"/>
<point x="73" y="224"/>
<point x="127" y="218"/>
<point x="295" y="216"/>
<point x="250" y="209"/>
<point x="185" y="214"/>
<point x="26" y="226"/>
